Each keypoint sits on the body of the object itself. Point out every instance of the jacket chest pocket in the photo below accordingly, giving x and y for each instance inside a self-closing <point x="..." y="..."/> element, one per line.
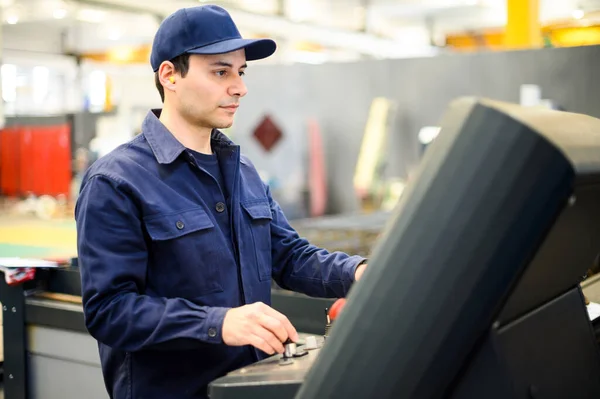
<point x="260" y="234"/>
<point x="185" y="254"/>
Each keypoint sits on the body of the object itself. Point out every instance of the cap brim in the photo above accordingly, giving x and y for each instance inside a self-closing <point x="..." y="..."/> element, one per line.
<point x="256" y="49"/>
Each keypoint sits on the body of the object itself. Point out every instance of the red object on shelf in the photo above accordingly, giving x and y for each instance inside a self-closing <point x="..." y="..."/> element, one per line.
<point x="9" y="161"/>
<point x="61" y="160"/>
<point x="17" y="276"/>
<point x="36" y="160"/>
<point x="26" y="158"/>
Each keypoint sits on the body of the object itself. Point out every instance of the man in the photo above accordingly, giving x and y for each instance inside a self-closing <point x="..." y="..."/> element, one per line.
<point x="179" y="238"/>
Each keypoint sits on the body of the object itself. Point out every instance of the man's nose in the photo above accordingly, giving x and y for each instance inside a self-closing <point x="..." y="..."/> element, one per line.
<point x="238" y="88"/>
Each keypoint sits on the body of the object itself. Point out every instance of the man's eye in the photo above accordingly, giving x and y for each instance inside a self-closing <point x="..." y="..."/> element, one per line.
<point x="242" y="73"/>
<point x="221" y="73"/>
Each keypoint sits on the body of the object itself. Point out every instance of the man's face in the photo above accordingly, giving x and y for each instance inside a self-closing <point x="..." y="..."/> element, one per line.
<point x="210" y="93"/>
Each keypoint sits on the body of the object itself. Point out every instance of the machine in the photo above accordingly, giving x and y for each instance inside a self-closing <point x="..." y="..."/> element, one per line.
<point x="473" y="290"/>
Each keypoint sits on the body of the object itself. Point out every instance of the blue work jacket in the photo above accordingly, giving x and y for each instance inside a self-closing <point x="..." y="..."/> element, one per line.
<point x="158" y="274"/>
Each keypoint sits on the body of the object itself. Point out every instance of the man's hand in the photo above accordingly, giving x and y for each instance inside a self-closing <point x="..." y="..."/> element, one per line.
<point x="258" y="325"/>
<point x="359" y="271"/>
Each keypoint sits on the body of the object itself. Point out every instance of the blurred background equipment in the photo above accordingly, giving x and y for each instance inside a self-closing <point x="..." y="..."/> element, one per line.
<point x="353" y="233"/>
<point x="369" y="175"/>
<point x="317" y="175"/>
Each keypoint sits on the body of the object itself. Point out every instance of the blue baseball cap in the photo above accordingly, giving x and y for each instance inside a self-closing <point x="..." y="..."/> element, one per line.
<point x="205" y="29"/>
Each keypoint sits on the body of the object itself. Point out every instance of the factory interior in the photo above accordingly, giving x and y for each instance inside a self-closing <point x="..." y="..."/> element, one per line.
<point x="452" y="144"/>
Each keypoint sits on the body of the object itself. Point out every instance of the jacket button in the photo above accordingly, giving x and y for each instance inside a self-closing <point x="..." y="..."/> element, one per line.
<point x="212" y="332"/>
<point x="220" y="207"/>
<point x="179" y="224"/>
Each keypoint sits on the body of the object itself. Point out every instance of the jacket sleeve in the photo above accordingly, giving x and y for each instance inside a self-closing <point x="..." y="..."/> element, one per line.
<point x="113" y="261"/>
<point x="302" y="267"/>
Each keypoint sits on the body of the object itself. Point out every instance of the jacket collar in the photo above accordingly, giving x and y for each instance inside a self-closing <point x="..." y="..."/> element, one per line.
<point x="165" y="146"/>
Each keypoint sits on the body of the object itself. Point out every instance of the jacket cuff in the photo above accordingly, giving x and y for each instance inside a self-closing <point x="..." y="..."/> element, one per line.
<point x="355" y="261"/>
<point x="213" y="325"/>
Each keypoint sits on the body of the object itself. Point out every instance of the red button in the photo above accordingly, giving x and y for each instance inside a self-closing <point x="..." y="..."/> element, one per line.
<point x="336" y="308"/>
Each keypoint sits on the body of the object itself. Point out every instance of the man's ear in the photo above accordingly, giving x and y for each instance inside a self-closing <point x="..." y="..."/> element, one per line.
<point x="167" y="75"/>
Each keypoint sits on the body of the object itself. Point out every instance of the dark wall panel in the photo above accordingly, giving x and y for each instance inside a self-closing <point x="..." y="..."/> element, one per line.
<point x="339" y="96"/>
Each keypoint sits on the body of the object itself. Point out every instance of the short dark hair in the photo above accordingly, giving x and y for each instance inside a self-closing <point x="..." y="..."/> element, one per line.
<point x="181" y="63"/>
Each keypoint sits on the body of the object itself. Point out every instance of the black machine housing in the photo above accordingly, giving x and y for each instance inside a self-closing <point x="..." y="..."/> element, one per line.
<point x="473" y="289"/>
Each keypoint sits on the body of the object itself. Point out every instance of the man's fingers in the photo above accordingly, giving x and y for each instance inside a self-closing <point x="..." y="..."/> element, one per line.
<point x="274" y="325"/>
<point x="261" y="344"/>
<point x="269" y="338"/>
<point x="291" y="331"/>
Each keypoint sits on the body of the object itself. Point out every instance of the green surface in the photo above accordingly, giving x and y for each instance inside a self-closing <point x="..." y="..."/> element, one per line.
<point x="24" y="251"/>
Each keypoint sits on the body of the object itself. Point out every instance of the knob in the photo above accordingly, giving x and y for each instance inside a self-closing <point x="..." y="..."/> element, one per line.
<point x="289" y="349"/>
<point x="311" y="342"/>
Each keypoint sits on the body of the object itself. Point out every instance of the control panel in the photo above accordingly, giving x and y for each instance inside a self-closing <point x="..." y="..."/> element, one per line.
<point x="278" y="376"/>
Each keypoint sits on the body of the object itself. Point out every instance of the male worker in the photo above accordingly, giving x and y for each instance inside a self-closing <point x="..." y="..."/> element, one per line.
<point x="178" y="237"/>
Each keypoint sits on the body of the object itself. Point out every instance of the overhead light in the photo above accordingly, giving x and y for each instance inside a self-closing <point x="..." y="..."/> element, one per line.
<point x="59" y="13"/>
<point x="260" y="7"/>
<point x="12" y="19"/>
<point x="299" y="11"/>
<point x="578" y="14"/>
<point x="91" y="15"/>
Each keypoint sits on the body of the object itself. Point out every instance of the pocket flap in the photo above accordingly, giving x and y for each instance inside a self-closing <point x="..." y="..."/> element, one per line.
<point x="258" y="210"/>
<point x="177" y="224"/>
